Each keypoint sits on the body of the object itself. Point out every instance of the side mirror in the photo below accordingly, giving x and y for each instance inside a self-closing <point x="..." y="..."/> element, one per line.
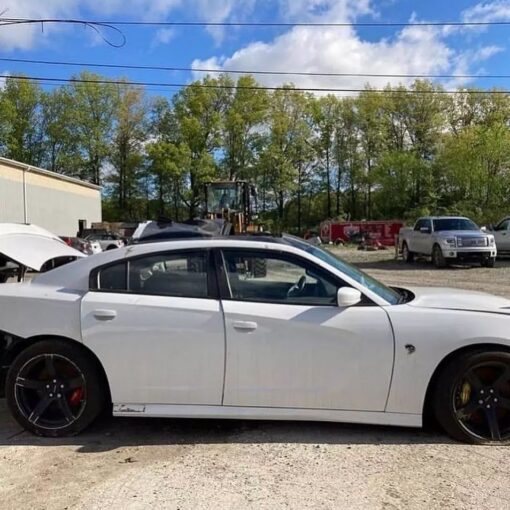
<point x="425" y="230"/>
<point x="483" y="229"/>
<point x="347" y="296"/>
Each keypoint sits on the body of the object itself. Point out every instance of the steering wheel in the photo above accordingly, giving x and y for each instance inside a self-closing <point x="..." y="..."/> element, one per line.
<point x="297" y="288"/>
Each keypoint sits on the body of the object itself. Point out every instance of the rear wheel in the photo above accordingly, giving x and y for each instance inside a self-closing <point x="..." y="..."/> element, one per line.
<point x="472" y="398"/>
<point x="53" y="388"/>
<point x="489" y="262"/>
<point x="437" y="257"/>
<point x="407" y="255"/>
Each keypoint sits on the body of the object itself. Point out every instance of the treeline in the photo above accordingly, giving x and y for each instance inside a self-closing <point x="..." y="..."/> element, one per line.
<point x="399" y="153"/>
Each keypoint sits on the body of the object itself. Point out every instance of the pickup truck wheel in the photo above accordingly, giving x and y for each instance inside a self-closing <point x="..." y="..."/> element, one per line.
<point x="407" y="255"/>
<point x="489" y="262"/>
<point x="437" y="257"/>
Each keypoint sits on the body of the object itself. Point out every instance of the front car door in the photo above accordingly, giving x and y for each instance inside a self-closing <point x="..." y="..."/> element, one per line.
<point x="156" y="325"/>
<point x="290" y="346"/>
<point x="502" y="235"/>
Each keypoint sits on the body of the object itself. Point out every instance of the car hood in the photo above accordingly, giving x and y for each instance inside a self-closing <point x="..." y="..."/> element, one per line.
<point x="32" y="246"/>
<point x="457" y="299"/>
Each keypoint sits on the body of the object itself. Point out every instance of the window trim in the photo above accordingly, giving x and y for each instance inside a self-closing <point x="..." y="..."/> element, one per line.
<point x="211" y="279"/>
<point x="224" y="285"/>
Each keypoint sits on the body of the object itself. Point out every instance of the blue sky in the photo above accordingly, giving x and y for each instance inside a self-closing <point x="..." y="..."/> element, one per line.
<point x="377" y="50"/>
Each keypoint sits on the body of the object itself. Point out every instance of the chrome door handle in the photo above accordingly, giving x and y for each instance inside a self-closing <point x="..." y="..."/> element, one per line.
<point x="245" y="325"/>
<point x="104" y="315"/>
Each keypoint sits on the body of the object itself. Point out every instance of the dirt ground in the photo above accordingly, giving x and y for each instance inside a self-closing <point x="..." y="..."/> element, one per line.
<point x="192" y="464"/>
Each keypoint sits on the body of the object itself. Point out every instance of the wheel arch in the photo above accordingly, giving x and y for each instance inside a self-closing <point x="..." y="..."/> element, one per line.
<point x="427" y="411"/>
<point x="20" y="344"/>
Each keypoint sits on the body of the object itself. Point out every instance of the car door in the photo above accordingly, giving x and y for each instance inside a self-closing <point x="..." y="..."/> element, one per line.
<point x="156" y="325"/>
<point x="290" y="346"/>
<point x="502" y="235"/>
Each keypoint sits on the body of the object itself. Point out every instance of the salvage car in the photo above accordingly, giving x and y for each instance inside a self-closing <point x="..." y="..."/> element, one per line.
<point x="185" y="328"/>
<point x="448" y="239"/>
<point x="29" y="247"/>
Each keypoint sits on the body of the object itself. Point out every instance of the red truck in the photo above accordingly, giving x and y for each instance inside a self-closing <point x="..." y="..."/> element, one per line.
<point x="380" y="232"/>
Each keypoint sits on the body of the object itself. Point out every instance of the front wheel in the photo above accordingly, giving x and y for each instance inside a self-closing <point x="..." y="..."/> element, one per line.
<point x="437" y="257"/>
<point x="472" y="397"/>
<point x="54" y="389"/>
<point x="407" y="255"/>
<point x="489" y="262"/>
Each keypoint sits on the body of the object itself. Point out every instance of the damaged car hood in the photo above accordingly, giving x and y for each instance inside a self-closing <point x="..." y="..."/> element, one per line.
<point x="457" y="299"/>
<point x="32" y="246"/>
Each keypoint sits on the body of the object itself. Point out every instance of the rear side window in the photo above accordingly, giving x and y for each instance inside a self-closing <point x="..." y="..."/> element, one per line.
<point x="164" y="274"/>
<point x="113" y="277"/>
<point x="170" y="275"/>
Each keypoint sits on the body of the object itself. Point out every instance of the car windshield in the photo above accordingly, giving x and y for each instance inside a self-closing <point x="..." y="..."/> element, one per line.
<point x="454" y="224"/>
<point x="386" y="293"/>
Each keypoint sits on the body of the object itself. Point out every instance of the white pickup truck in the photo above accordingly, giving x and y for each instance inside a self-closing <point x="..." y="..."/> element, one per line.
<point x="501" y="233"/>
<point x="447" y="239"/>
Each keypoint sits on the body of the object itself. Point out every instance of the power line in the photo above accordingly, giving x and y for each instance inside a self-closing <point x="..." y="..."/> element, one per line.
<point x="245" y="72"/>
<point x="362" y="24"/>
<point x="242" y="87"/>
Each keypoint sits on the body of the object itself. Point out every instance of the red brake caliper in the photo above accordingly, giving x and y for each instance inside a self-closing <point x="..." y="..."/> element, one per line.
<point x="76" y="397"/>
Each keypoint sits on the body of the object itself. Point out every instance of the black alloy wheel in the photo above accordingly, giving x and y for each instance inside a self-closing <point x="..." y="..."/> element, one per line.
<point x="474" y="405"/>
<point x="53" y="389"/>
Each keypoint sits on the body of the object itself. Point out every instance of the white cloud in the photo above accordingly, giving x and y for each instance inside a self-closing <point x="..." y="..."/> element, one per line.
<point x="488" y="11"/>
<point x="412" y="50"/>
<point x="3" y="79"/>
<point x="163" y="36"/>
<point x="25" y="37"/>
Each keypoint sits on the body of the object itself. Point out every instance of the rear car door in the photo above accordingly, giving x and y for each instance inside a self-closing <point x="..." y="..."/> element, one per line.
<point x="156" y="325"/>
<point x="288" y="343"/>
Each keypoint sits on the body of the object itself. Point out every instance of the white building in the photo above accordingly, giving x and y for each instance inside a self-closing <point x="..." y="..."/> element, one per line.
<point x="53" y="201"/>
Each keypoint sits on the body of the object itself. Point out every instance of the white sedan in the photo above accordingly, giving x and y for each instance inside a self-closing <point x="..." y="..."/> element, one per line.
<point x="260" y="328"/>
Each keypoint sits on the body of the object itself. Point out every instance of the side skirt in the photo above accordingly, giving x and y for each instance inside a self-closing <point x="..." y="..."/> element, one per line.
<point x="266" y="413"/>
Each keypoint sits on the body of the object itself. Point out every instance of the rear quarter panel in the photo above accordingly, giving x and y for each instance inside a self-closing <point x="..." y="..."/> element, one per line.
<point x="28" y="310"/>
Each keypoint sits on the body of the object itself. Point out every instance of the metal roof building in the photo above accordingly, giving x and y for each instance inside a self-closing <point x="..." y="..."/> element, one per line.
<point x="53" y="201"/>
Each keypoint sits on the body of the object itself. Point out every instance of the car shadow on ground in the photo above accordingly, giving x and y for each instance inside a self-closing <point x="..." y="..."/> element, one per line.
<point x="113" y="433"/>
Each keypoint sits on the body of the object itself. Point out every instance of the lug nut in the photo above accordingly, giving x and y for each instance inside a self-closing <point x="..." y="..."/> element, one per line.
<point x="48" y="386"/>
<point x="61" y="385"/>
<point x="480" y="401"/>
<point x="491" y="391"/>
<point x="488" y="406"/>
<point x="54" y="380"/>
<point x="482" y="392"/>
<point x="59" y="395"/>
<point x="51" y="395"/>
<point x="495" y="400"/>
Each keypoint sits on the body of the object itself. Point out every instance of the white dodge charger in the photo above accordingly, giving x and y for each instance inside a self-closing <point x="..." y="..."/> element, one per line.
<point x="260" y="328"/>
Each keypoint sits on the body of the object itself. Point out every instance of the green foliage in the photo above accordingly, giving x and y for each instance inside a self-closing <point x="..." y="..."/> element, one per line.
<point x="399" y="153"/>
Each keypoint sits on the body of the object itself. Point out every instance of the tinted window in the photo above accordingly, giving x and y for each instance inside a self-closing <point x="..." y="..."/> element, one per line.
<point x="182" y="275"/>
<point x="454" y="224"/>
<point x="504" y="225"/>
<point x="419" y="224"/>
<point x="113" y="277"/>
<point x="277" y="279"/>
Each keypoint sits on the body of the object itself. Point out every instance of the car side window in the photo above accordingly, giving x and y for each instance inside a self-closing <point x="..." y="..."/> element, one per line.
<point x="278" y="278"/>
<point x="504" y="225"/>
<point x="427" y="224"/>
<point x="180" y="275"/>
<point x="113" y="278"/>
<point x="163" y="274"/>
<point x="419" y="224"/>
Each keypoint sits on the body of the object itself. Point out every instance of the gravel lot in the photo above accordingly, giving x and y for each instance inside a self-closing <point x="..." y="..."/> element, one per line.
<point x="192" y="464"/>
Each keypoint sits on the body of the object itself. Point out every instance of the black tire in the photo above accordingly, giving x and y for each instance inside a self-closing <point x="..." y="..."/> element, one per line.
<point x="54" y="389"/>
<point x="259" y="268"/>
<point x="407" y="255"/>
<point x="467" y="412"/>
<point x="438" y="258"/>
<point x="489" y="262"/>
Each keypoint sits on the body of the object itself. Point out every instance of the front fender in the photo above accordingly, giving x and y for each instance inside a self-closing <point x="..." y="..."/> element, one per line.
<point x="434" y="334"/>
